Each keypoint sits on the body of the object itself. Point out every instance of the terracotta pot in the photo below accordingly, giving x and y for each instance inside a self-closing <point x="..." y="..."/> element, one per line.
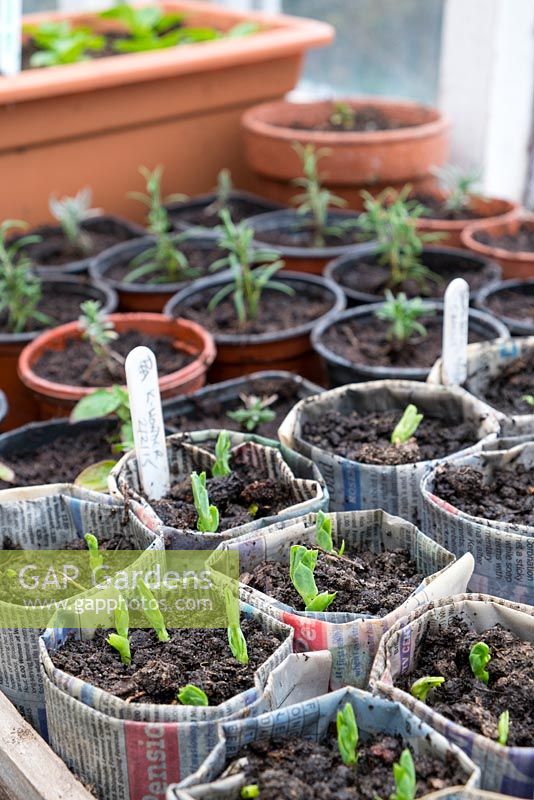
<point x="22" y="405"/>
<point x="487" y="208"/>
<point x="355" y="160"/>
<point x="178" y="211"/>
<point x="514" y="264"/>
<point x="78" y="125"/>
<point x="57" y="399"/>
<point x="138" y="296"/>
<point x="311" y="260"/>
<point x="240" y="354"/>
<point x="518" y="326"/>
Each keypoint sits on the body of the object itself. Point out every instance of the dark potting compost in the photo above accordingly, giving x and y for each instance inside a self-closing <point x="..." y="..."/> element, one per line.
<point x="59" y="306"/>
<point x="513" y="304"/>
<point x="55" y="249"/>
<point x="302" y="234"/>
<point x="199" y="261"/>
<point x="367" y="118"/>
<point x="508" y="389"/>
<point x="437" y="209"/>
<point x="522" y="241"/>
<point x="208" y="215"/>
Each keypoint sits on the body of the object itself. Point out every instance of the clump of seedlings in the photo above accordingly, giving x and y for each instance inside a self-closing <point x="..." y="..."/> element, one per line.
<point x="255" y="411"/>
<point x="100" y="332"/>
<point x="71" y="212"/>
<point x="403" y="316"/>
<point x="343" y="116"/>
<point x="460" y="188"/>
<point x="58" y="43"/>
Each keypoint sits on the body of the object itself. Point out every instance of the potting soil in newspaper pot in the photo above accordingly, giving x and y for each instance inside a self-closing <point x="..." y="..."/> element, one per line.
<point x="387" y="569"/>
<point x="347" y="432"/>
<point x="266" y="483"/>
<point x="294" y="752"/>
<point x="512" y="302"/>
<point x="467" y="706"/>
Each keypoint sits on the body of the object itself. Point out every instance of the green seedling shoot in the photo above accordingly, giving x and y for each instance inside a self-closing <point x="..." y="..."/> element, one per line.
<point x="236" y="639"/>
<point x="223" y="193"/>
<point x="403" y="315"/>
<point x="342" y="116"/>
<point x="407" y="425"/>
<point x="255" y="411"/>
<point x="119" y="640"/>
<point x="100" y="332"/>
<point x="191" y="695"/>
<point x="528" y="398"/>
<point x="404" y="777"/>
<point x="459" y="185"/>
<point x="221" y="466"/>
<point x="479" y="658"/>
<point x="347" y="735"/>
<point x="60" y="43"/>
<point x="96" y="558"/>
<point x="421" y="687"/>
<point x="503" y="728"/>
<point x="152" y="612"/>
<point x="208" y="515"/>
<point x="250" y="791"/>
<point x="71" y="212"/>
<point x="323" y="534"/>
<point x="302" y="563"/>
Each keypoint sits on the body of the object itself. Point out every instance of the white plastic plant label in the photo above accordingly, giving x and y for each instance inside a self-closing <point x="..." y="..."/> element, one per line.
<point x="10" y="37"/>
<point x="455" y="332"/>
<point x="147" y="421"/>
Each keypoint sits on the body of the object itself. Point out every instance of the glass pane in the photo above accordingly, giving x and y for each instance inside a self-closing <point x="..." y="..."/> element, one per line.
<point x="387" y="47"/>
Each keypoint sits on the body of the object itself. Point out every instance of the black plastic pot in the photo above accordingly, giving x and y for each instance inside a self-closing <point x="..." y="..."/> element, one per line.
<point x="140" y="296"/>
<point x="104" y="224"/>
<point x="525" y="288"/>
<point x="311" y="260"/>
<point x="178" y="211"/>
<point x="22" y="406"/>
<point x="3" y="406"/>
<point x="222" y="395"/>
<point x="341" y="370"/>
<point x="241" y="354"/>
<point x="432" y="258"/>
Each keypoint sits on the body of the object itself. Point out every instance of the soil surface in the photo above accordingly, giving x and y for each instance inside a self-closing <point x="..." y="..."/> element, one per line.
<point x="60" y="305"/>
<point x="59" y="461"/>
<point x="82" y="368"/>
<point x="278" y="311"/>
<point x="364" y="340"/>
<point x="366" y="438"/>
<point x="212" y="412"/>
<point x="207" y="215"/>
<point x="295" y="769"/>
<point x="199" y="260"/>
<point x="302" y="234"/>
<point x="365" y="582"/>
<point x="55" y="250"/>
<point x="436" y="209"/>
<point x="507" y="390"/>
<point x="508" y="496"/>
<point x="370" y="277"/>
<point x="513" y="303"/>
<point x="236" y="496"/>
<point x="160" y="669"/>
<point x="366" y="118"/>
<point x="466" y="699"/>
<point x="522" y="241"/>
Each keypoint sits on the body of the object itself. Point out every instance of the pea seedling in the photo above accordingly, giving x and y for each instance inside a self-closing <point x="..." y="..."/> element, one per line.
<point x="71" y="212"/>
<point x="20" y="288"/>
<point x="152" y="612"/>
<point x="421" y="687"/>
<point x="250" y="791"/>
<point x="459" y="185"/>
<point x="95" y="556"/>
<point x="119" y="640"/>
<point x="342" y="116"/>
<point x="208" y="515"/>
<point x="302" y="563"/>
<point x="479" y="658"/>
<point x="403" y="316"/>
<point x="255" y="411"/>
<point x="528" y="398"/>
<point x="407" y="425"/>
<point x="221" y="466"/>
<point x="347" y="735"/>
<point x="100" y="332"/>
<point x="236" y="639"/>
<point x="323" y="534"/>
<point x="60" y="43"/>
<point x="191" y="695"/>
<point x="503" y="728"/>
<point x="248" y="281"/>
<point x="404" y="777"/>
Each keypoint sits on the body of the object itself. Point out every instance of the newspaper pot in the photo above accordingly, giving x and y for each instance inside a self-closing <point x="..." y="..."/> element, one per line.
<point x="188" y="214"/>
<point x="514" y="263"/>
<point x="22" y="405"/>
<point x="106" y="116"/>
<point x="194" y="451"/>
<point x="138" y="296"/>
<point x="375" y="716"/>
<point x="341" y="370"/>
<point x="216" y="398"/>
<point x="489" y="209"/>
<point x="241" y="354"/>
<point x="508" y="301"/>
<point x="351" y="638"/>
<point x="58" y="399"/>
<point x="111" y="742"/>
<point x="46" y="518"/>
<point x="503" y="769"/>
<point x="300" y="258"/>
<point x="502" y="549"/>
<point x="353" y="160"/>
<point x="353" y="485"/>
<point x="447" y="262"/>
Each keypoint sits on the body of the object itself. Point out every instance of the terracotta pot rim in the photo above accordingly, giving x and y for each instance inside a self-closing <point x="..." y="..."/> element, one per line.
<point x="264" y="338"/>
<point x="468" y="239"/>
<point x="458" y="225"/>
<point x="61" y="391"/>
<point x="439" y="124"/>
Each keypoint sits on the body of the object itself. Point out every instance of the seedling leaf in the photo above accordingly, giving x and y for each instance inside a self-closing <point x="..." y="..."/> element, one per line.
<point x="404" y="777"/>
<point x="221" y="466"/>
<point x="208" y="515"/>
<point x="503" y="728"/>
<point x="191" y="695"/>
<point x="95" y="477"/>
<point x="479" y="658"/>
<point x="421" y="687"/>
<point x="347" y="735"/>
<point x="407" y="425"/>
<point x="152" y="612"/>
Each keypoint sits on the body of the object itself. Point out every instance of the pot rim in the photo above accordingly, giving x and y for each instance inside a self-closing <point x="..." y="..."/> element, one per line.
<point x="495" y="252"/>
<point x="494" y="288"/>
<point x="458" y="225"/>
